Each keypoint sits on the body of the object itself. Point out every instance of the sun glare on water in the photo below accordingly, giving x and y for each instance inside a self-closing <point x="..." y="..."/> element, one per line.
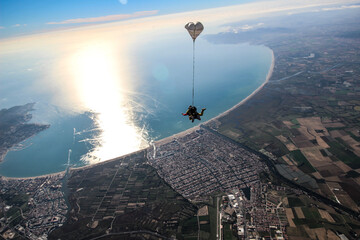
<point x="101" y="84"/>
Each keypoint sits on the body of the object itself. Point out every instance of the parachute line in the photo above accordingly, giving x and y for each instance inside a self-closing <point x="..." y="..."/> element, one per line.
<point x="193" y="88"/>
<point x="194" y="31"/>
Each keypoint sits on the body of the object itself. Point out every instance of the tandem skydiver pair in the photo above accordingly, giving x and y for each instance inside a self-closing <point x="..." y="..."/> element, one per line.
<point x="194" y="31"/>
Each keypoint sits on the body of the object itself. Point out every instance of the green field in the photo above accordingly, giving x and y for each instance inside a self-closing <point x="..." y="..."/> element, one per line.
<point x="311" y="213"/>
<point x="189" y="228"/>
<point x="344" y="154"/>
<point x="312" y="218"/>
<point x="303" y="163"/>
<point x="295" y="202"/>
<point x="228" y="233"/>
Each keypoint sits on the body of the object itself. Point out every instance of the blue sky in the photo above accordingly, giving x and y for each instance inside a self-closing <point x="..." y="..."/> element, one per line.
<point x="19" y="17"/>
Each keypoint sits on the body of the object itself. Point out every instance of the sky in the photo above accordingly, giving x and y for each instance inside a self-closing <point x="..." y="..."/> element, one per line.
<point x="23" y="17"/>
<point x="20" y="17"/>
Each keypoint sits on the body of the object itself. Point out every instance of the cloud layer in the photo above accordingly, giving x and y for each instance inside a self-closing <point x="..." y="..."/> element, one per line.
<point x="341" y="8"/>
<point x="107" y="18"/>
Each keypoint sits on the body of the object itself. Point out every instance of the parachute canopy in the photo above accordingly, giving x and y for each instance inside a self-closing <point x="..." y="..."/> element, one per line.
<point x="194" y="29"/>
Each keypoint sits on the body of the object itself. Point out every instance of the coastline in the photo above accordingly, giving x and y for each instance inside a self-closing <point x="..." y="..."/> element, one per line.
<point x="268" y="76"/>
<point x="3" y="154"/>
<point x="167" y="139"/>
<point x="57" y="174"/>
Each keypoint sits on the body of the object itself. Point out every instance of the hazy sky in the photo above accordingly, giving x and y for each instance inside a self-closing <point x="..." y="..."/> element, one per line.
<point x="19" y="17"/>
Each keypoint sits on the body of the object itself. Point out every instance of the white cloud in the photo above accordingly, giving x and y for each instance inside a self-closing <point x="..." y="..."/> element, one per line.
<point x="340" y="8"/>
<point x="123" y="2"/>
<point x="243" y="28"/>
<point x="19" y="25"/>
<point x="107" y="18"/>
<point x="1" y="27"/>
<point x="248" y="27"/>
<point x="343" y="7"/>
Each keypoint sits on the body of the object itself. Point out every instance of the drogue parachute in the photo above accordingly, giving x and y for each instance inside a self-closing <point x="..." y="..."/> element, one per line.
<point x="194" y="29"/>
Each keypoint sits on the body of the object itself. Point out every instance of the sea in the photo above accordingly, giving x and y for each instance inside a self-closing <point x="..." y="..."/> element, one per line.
<point x="110" y="94"/>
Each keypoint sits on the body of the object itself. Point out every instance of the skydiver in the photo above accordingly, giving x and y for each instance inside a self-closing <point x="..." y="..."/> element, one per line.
<point x="193" y="114"/>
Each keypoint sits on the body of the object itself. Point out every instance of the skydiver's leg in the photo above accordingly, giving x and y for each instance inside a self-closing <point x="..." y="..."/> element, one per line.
<point x="202" y="111"/>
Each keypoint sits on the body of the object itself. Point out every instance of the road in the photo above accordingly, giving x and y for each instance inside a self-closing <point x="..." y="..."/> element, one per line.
<point x="218" y="220"/>
<point x="129" y="233"/>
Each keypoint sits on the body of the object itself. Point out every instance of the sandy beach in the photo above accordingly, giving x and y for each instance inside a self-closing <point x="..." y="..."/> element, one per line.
<point x="58" y="174"/>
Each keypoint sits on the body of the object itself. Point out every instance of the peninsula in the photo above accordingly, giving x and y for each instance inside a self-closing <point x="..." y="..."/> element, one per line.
<point x="14" y="127"/>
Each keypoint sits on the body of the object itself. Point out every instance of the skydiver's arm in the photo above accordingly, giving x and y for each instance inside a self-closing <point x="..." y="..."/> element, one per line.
<point x="186" y="114"/>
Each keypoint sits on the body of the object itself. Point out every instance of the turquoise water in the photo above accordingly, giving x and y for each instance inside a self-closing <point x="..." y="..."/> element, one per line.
<point x="225" y="74"/>
<point x="48" y="152"/>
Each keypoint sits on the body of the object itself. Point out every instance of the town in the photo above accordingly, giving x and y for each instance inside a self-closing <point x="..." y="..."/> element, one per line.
<point x="194" y="168"/>
<point x="37" y="206"/>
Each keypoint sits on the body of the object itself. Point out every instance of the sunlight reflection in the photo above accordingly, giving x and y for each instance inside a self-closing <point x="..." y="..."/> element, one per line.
<point x="101" y="83"/>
